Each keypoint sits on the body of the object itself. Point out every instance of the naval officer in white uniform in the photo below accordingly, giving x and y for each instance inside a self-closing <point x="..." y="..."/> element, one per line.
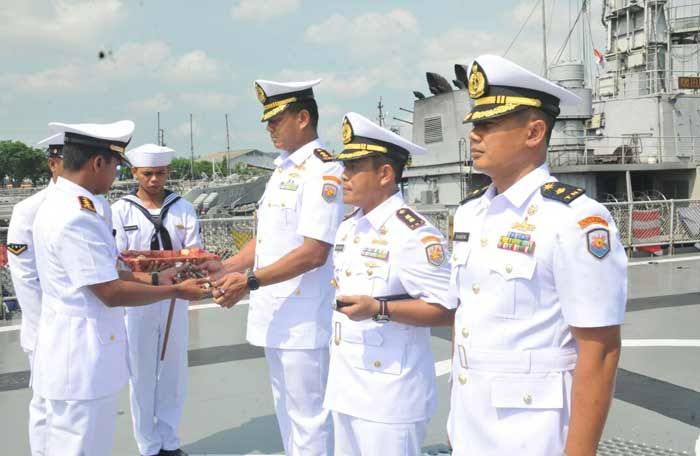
<point x="80" y="359"/>
<point x="540" y="276"/>
<point x="392" y="276"/>
<point x="290" y="268"/>
<point x="154" y="218"/>
<point x="22" y="262"/>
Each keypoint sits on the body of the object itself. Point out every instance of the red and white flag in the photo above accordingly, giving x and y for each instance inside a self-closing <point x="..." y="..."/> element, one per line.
<point x="599" y="57"/>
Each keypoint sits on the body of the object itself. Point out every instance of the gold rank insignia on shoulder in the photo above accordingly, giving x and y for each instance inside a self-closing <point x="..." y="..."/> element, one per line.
<point x="86" y="203"/>
<point x="558" y="191"/>
<point x="323" y="155"/>
<point x="17" y="249"/>
<point x="473" y="194"/>
<point x="410" y="218"/>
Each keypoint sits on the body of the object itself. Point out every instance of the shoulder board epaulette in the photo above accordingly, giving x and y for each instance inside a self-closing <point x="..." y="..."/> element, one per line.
<point x="86" y="203"/>
<point x="474" y="194"/>
<point x="410" y="218"/>
<point x="323" y="155"/>
<point x="561" y="192"/>
<point x="351" y="214"/>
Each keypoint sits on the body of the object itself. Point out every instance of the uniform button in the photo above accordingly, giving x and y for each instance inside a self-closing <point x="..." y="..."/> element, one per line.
<point x="377" y="364"/>
<point x="484" y="242"/>
<point x="334" y="283"/>
<point x="527" y="399"/>
<point x="259" y="241"/>
<point x="297" y="292"/>
<point x="284" y="205"/>
<point x="111" y="337"/>
<point x="465" y="332"/>
<point x="509" y="268"/>
<point x="356" y="240"/>
<point x="462" y="379"/>
<point x="369" y="272"/>
<point x="476" y="288"/>
<point x="337" y="340"/>
<point x="347" y="272"/>
<point x="454" y="258"/>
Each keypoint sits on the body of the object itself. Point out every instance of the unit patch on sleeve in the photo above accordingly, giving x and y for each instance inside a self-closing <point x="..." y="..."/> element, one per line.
<point x="598" y="241"/>
<point x="17" y="249"/>
<point x="410" y="218"/>
<point x="561" y="192"/>
<point x="323" y="155"/>
<point x="592" y="220"/>
<point x="329" y="192"/>
<point x="434" y="251"/>
<point x="86" y="203"/>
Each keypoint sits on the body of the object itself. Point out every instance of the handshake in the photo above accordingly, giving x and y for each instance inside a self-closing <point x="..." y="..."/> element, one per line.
<point x="208" y="279"/>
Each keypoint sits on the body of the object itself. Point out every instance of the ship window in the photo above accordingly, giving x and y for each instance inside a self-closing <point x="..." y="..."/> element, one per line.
<point x="433" y="129"/>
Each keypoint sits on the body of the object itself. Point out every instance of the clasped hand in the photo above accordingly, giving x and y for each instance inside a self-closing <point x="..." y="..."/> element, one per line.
<point x="358" y="307"/>
<point x="227" y="287"/>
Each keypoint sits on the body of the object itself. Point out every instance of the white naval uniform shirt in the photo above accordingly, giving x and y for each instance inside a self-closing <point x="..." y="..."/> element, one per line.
<point x="81" y="346"/>
<point x="384" y="372"/>
<point x="303" y="198"/>
<point x="514" y="352"/>
<point x="134" y="231"/>
<point x="22" y="261"/>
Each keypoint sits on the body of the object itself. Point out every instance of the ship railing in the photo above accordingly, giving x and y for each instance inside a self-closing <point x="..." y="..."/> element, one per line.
<point x="636" y="148"/>
<point x="658" y="226"/>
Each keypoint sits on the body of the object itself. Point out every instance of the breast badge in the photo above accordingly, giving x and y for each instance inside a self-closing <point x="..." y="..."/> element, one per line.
<point x="598" y="240"/>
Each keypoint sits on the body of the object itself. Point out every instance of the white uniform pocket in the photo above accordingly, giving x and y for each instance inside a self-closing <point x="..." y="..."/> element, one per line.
<point x="367" y="351"/>
<point x="282" y="209"/>
<point x="531" y="392"/>
<point x="514" y="292"/>
<point x="109" y="330"/>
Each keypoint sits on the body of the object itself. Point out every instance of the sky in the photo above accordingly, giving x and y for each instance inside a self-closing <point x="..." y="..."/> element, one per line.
<point x="201" y="57"/>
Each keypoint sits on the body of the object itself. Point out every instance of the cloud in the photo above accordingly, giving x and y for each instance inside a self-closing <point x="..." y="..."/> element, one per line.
<point x="372" y="33"/>
<point x="263" y="10"/>
<point x="183" y="131"/>
<point x="156" y="103"/>
<point x="58" y="22"/>
<point x="193" y="66"/>
<point x="209" y="100"/>
<point x="132" y="61"/>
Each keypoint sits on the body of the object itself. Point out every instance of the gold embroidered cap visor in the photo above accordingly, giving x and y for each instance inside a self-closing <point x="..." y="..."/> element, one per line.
<point x="498" y="101"/>
<point x="277" y="104"/>
<point x="96" y="144"/>
<point x="361" y="147"/>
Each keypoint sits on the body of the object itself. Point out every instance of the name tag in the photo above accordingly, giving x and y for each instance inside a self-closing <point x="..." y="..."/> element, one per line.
<point x="131" y="228"/>
<point x="339" y="247"/>
<point x="461" y="237"/>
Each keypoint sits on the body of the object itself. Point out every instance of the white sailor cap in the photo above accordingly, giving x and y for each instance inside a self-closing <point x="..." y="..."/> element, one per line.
<point x="500" y="87"/>
<point x="363" y="138"/>
<point x="53" y="144"/>
<point x="150" y="156"/>
<point x="277" y="96"/>
<point x="113" y="137"/>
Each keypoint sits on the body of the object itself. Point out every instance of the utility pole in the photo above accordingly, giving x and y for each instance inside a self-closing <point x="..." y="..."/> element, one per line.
<point x="228" y="162"/>
<point x="544" y="37"/>
<point x="380" y="106"/>
<point x="191" y="151"/>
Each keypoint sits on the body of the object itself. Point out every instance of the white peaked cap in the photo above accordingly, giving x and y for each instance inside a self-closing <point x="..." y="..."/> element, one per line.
<point x="53" y="140"/>
<point x="362" y="137"/>
<point x="150" y="156"/>
<point x="113" y="136"/>
<point x="277" y="96"/>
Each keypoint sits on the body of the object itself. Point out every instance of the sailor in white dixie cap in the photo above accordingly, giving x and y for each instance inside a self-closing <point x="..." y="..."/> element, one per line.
<point x="80" y="358"/>
<point x="391" y="275"/>
<point x="289" y="267"/>
<point x="540" y="277"/>
<point x="154" y="218"/>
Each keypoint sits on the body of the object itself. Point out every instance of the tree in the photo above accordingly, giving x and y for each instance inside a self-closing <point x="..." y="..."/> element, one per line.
<point x="19" y="161"/>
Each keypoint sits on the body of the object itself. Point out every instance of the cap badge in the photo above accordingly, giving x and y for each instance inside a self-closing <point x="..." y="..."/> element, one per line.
<point x="347" y="131"/>
<point x="260" y="93"/>
<point x="477" y="82"/>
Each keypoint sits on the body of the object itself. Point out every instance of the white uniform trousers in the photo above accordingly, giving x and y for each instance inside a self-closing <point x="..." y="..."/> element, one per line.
<point x="158" y="388"/>
<point x="298" y="379"/>
<point x="73" y="428"/>
<point x="358" y="437"/>
<point x="37" y="413"/>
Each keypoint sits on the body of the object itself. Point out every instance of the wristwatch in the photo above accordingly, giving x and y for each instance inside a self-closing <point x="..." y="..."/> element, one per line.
<point x="383" y="315"/>
<point x="154" y="278"/>
<point x="253" y="282"/>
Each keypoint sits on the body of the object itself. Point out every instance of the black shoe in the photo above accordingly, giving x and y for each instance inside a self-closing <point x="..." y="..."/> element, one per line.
<point x="177" y="452"/>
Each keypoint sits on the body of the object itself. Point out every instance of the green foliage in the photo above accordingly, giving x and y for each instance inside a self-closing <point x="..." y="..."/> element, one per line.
<point x="19" y="161"/>
<point x="180" y="168"/>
